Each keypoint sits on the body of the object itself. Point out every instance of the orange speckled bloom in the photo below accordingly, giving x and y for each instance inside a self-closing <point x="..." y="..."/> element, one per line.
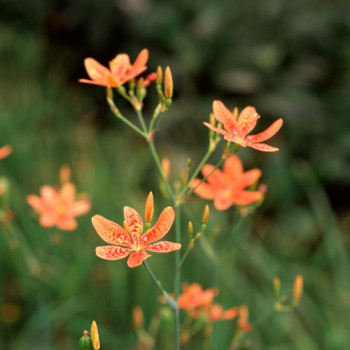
<point x="120" y="70"/>
<point x="227" y="187"/>
<point x="129" y="240"/>
<point x="5" y="151"/>
<point x="198" y="302"/>
<point x="58" y="207"/>
<point x="237" y="128"/>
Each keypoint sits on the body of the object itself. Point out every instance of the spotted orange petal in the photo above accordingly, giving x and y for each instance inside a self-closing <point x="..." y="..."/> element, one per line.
<point x="203" y="189"/>
<point x="163" y="247"/>
<point x="221" y="113"/>
<point x="218" y="130"/>
<point x="161" y="228"/>
<point x="137" y="258"/>
<point x="110" y="252"/>
<point x="247" y="120"/>
<point x="262" y="147"/>
<point x="247" y="197"/>
<point x="134" y="223"/>
<point x="233" y="168"/>
<point x="110" y="232"/>
<point x="266" y="134"/>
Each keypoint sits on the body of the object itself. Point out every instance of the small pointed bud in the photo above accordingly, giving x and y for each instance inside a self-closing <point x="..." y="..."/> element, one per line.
<point x="298" y="289"/>
<point x="95" y="339"/>
<point x="276" y="287"/>
<point x="184" y="176"/>
<point x="65" y="174"/>
<point x="190" y="230"/>
<point x="149" y="208"/>
<point x="212" y="119"/>
<point x="243" y="318"/>
<point x="166" y="168"/>
<point x="137" y="317"/>
<point x="159" y="79"/>
<point x="235" y="113"/>
<point x="168" y="83"/>
<point x="205" y="217"/>
<point x="85" y="341"/>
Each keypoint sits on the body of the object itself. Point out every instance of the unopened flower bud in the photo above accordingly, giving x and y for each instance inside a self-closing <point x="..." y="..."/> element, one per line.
<point x="168" y="83"/>
<point x="137" y="317"/>
<point x="159" y="79"/>
<point x="190" y="230"/>
<point x="149" y="208"/>
<point x="65" y="174"/>
<point x="298" y="289"/>
<point x="95" y="339"/>
<point x="166" y="168"/>
<point x="235" y="113"/>
<point x="276" y="286"/>
<point x="205" y="216"/>
<point x="212" y="119"/>
<point x="85" y="341"/>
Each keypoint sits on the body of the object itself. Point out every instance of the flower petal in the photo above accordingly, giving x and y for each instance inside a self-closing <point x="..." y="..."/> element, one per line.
<point x="110" y="232"/>
<point x="134" y="223"/>
<point x="247" y="120"/>
<point x="47" y="220"/>
<point x="141" y="59"/>
<point x="5" y="151"/>
<point x="95" y="70"/>
<point x="233" y="168"/>
<point x="163" y="247"/>
<point x="68" y="192"/>
<point x="250" y="177"/>
<point x="67" y="223"/>
<point x="36" y="203"/>
<point x="266" y="134"/>
<point x="137" y="258"/>
<point x="247" y="197"/>
<point x="221" y="113"/>
<point x="49" y="195"/>
<point x="161" y="228"/>
<point x="80" y="207"/>
<point x="215" y="177"/>
<point x="110" y="252"/>
<point x="203" y="190"/>
<point x="120" y="65"/>
<point x="223" y="203"/>
<point x="220" y="131"/>
<point x="262" y="147"/>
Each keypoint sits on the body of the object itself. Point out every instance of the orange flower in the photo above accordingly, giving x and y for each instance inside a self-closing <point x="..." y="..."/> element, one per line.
<point x="5" y="151"/>
<point x="198" y="302"/>
<point x="57" y="207"/>
<point x="227" y="187"/>
<point x="193" y="296"/>
<point x="120" y="70"/>
<point x="237" y="128"/>
<point x="129" y="240"/>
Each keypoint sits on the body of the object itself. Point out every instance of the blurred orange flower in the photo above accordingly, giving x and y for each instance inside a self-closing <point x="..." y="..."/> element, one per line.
<point x="120" y="70"/>
<point x="227" y="187"/>
<point x="5" y="151"/>
<point x="58" y="207"/>
<point x="199" y="302"/>
<point x="129" y="239"/>
<point x="237" y="128"/>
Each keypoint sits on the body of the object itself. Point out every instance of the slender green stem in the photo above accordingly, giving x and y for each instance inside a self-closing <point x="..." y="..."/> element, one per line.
<point x="156" y="113"/>
<point x="196" y="172"/>
<point x="141" y="120"/>
<point x="183" y="258"/>
<point x="159" y="167"/>
<point x="117" y="113"/>
<point x="170" y="302"/>
<point x="177" y="279"/>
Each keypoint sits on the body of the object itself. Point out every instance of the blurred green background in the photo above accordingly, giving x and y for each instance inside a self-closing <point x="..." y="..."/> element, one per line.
<point x="289" y="59"/>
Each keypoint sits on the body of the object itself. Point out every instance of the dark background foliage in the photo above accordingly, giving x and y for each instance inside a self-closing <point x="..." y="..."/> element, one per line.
<point x="289" y="59"/>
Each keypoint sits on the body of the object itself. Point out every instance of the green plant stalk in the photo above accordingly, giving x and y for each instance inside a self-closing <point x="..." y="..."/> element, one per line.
<point x="141" y="120"/>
